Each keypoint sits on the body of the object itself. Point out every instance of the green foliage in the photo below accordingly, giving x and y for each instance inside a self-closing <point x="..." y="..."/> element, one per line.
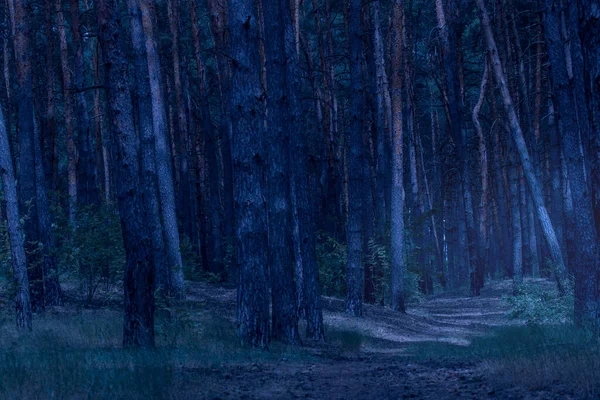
<point x="332" y="258"/>
<point x="92" y="251"/>
<point x="539" y="305"/>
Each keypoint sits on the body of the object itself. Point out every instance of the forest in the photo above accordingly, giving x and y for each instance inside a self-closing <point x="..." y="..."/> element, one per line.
<point x="341" y="199"/>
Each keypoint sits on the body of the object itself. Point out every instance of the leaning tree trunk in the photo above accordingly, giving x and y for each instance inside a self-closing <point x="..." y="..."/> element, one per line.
<point x="138" y="323"/>
<point x="15" y="231"/>
<point x="249" y="162"/>
<point x="164" y="173"/>
<point x="517" y="134"/>
<point x="354" y="273"/>
<point x="397" y="215"/>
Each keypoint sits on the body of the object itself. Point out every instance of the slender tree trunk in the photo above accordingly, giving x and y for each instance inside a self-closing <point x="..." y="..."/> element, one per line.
<point x="214" y="153"/>
<point x="87" y="190"/>
<point x="517" y="134"/>
<point x="25" y="118"/>
<point x="249" y="161"/>
<point x="15" y="231"/>
<point x="397" y="216"/>
<point x="143" y="98"/>
<point x="69" y="112"/>
<point x="483" y="173"/>
<point x="382" y="97"/>
<point x="138" y="324"/>
<point x="515" y="221"/>
<point x="354" y="272"/>
<point x="452" y="75"/>
<point x="166" y="188"/>
<point x="52" y="289"/>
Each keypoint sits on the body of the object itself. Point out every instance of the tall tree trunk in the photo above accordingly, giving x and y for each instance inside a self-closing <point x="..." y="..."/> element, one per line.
<point x="214" y="153"/>
<point x="25" y="118"/>
<point x="515" y="222"/>
<point x="143" y="98"/>
<point x="574" y="127"/>
<point x="69" y="113"/>
<point x="15" y="231"/>
<point x="397" y="215"/>
<point x="517" y="135"/>
<point x="354" y="272"/>
<point x="138" y="324"/>
<point x="283" y="290"/>
<point x="483" y="173"/>
<point x="218" y="14"/>
<point x="382" y="100"/>
<point x="249" y="161"/>
<point x="87" y="191"/>
<point x="452" y="76"/>
<point x="52" y="289"/>
<point x="181" y="134"/>
<point x="166" y="188"/>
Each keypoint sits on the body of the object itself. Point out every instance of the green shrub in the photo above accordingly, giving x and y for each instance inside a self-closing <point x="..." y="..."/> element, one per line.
<point x="332" y="258"/>
<point x="536" y="305"/>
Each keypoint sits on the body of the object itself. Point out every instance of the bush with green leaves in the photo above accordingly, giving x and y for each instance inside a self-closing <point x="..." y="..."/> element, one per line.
<point x="92" y="251"/>
<point x="332" y="258"/>
<point x="537" y="305"/>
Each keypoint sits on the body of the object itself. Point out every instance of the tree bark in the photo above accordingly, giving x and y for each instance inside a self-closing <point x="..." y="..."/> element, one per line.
<point x="517" y="135"/>
<point x="354" y="270"/>
<point x="166" y="188"/>
<point x="143" y="98"/>
<point x="138" y="324"/>
<point x="249" y="162"/>
<point x="397" y="216"/>
<point x="25" y="118"/>
<point x="15" y="231"/>
<point x="69" y="111"/>
<point x="283" y="290"/>
<point x="573" y="122"/>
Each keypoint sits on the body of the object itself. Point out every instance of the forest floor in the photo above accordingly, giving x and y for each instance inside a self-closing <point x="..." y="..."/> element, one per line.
<point x="449" y="346"/>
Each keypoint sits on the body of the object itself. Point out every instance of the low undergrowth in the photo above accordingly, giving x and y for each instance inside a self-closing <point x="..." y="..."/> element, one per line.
<point x="531" y="356"/>
<point x="79" y="356"/>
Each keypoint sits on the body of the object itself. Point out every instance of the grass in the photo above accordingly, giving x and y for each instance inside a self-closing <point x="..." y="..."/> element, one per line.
<point x="535" y="356"/>
<point x="78" y="356"/>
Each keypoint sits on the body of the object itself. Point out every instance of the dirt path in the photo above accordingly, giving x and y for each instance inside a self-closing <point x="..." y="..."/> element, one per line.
<point x="377" y="366"/>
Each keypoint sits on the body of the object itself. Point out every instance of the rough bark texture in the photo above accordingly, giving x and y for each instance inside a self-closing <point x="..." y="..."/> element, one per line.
<point x="354" y="270"/>
<point x="15" y="232"/>
<point x="283" y="289"/>
<point x="249" y="163"/>
<point x="147" y="149"/>
<point x="138" y="324"/>
<point x="573" y="124"/>
<point x="25" y="118"/>
<point x="69" y="113"/>
<point x="397" y="215"/>
<point x="166" y="187"/>
<point x="521" y="146"/>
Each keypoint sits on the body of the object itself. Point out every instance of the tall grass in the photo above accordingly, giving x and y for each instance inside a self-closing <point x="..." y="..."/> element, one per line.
<point x="534" y="356"/>
<point x="79" y="356"/>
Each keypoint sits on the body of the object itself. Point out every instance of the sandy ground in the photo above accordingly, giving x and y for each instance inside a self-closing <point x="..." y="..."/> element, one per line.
<point x="381" y="367"/>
